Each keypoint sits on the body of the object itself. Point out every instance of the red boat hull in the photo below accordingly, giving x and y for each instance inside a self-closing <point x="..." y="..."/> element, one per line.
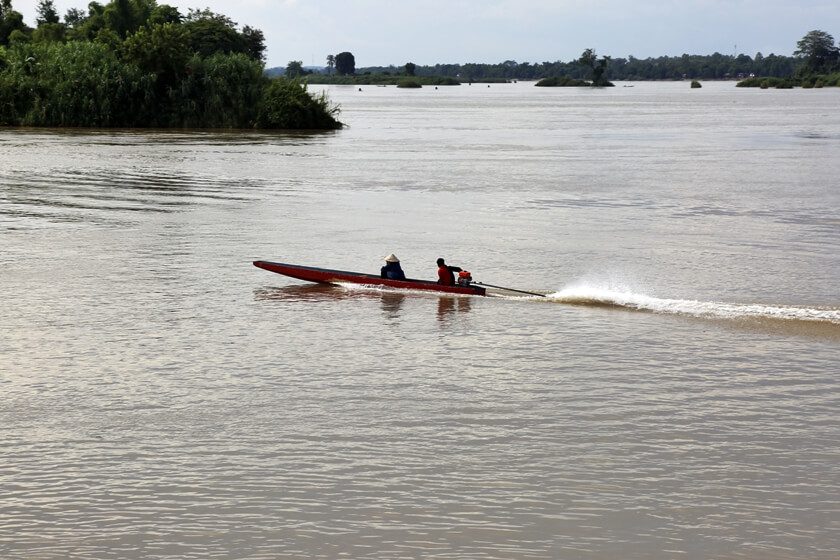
<point x="327" y="276"/>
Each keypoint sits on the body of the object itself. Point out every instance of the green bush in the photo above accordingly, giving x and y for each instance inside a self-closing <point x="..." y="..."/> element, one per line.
<point x="286" y="104"/>
<point x="750" y="82"/>
<point x="832" y="80"/>
<point x="695" y="84"/>
<point x="778" y="83"/>
<point x="409" y="83"/>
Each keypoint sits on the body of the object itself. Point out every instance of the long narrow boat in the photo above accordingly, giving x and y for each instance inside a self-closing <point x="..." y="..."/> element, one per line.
<point x="327" y="276"/>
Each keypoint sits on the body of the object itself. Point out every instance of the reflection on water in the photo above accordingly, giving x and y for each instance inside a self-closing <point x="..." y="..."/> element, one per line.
<point x="391" y="300"/>
<point x="135" y="137"/>
<point x="391" y="303"/>
<point x="448" y="306"/>
<point x="302" y="292"/>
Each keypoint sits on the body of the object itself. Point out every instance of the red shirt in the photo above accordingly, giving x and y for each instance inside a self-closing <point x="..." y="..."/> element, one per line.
<point x="445" y="276"/>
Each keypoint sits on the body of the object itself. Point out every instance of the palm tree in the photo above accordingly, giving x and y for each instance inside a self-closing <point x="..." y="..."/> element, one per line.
<point x="330" y="63"/>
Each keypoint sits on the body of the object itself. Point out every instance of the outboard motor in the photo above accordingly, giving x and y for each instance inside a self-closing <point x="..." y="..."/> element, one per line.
<point x="464" y="278"/>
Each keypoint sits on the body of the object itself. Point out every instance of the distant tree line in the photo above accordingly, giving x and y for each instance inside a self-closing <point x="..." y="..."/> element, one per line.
<point x="136" y="63"/>
<point x="707" y="67"/>
<point x="816" y="53"/>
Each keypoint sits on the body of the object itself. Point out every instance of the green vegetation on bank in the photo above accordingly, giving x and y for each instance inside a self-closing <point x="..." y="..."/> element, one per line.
<point x="134" y="63"/>
<point x="807" y="82"/>
<point x="701" y="67"/>
<point x="819" y="65"/>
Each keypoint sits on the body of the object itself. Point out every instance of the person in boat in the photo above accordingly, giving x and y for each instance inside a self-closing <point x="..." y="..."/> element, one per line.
<point x="446" y="273"/>
<point x="392" y="269"/>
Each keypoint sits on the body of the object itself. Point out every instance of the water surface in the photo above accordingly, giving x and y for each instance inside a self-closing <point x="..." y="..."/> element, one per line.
<point x="675" y="395"/>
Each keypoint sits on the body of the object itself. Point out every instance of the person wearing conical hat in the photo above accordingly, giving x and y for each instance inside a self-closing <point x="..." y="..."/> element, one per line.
<point x="392" y="268"/>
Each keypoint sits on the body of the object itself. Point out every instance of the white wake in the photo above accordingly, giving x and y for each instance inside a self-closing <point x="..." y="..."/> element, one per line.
<point x="588" y="295"/>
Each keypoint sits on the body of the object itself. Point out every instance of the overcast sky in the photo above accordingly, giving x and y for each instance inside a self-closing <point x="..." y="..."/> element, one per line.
<point x="383" y="32"/>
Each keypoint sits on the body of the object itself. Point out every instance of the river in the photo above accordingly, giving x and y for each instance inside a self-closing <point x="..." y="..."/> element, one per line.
<point x="675" y="395"/>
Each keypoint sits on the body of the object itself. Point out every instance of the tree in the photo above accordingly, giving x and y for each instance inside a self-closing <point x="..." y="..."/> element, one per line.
<point x="330" y="63"/>
<point x="46" y="13"/>
<point x="164" y="14"/>
<point x="410" y="68"/>
<point x="119" y="17"/>
<point x="589" y="59"/>
<point x="254" y="43"/>
<point x="345" y="63"/>
<point x="74" y="17"/>
<point x="10" y="22"/>
<point x="211" y="33"/>
<point x="87" y="27"/>
<point x="294" y="69"/>
<point x="160" y="51"/>
<point x="819" y="52"/>
<point x="49" y="32"/>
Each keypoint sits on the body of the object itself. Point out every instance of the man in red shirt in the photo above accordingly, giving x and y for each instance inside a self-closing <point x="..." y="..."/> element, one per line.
<point x="446" y="273"/>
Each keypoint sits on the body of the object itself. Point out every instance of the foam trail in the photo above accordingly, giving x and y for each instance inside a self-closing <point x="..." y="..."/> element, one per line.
<point x="375" y="288"/>
<point x="587" y="295"/>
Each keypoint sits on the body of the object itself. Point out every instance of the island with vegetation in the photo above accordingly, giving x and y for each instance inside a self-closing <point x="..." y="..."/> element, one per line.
<point x="820" y="65"/>
<point x="597" y="69"/>
<point x="137" y="63"/>
<point x="814" y="64"/>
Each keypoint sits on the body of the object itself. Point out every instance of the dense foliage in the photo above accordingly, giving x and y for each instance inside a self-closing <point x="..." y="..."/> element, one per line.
<point x="807" y="82"/>
<point x="288" y="105"/>
<point x="134" y="63"/>
<point x="345" y="63"/>
<point x="819" y="52"/>
<point x="597" y="67"/>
